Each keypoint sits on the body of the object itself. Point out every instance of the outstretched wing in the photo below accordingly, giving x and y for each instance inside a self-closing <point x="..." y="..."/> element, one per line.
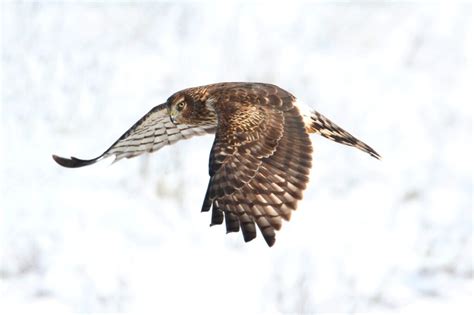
<point x="150" y="133"/>
<point x="259" y="163"/>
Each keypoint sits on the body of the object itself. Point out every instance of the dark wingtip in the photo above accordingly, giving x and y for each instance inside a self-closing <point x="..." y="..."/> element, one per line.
<point x="73" y="162"/>
<point x="270" y="241"/>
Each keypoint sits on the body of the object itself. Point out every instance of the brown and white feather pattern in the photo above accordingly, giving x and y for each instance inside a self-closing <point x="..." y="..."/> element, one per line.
<point x="261" y="158"/>
<point x="152" y="132"/>
<point x="259" y="163"/>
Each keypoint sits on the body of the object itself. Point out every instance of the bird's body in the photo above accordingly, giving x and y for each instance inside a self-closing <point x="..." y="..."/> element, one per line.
<point x="261" y="157"/>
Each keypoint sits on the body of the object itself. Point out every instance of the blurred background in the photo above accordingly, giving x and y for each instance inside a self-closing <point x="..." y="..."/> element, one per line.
<point x="388" y="236"/>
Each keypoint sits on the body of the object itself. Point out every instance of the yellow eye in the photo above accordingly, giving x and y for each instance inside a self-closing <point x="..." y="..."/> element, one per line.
<point x="180" y="105"/>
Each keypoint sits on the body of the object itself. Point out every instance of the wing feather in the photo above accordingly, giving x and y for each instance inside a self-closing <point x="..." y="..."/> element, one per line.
<point x="152" y="132"/>
<point x="260" y="161"/>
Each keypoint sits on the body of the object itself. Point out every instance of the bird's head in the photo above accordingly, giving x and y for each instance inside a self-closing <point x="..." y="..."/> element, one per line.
<point x="189" y="106"/>
<point x="179" y="108"/>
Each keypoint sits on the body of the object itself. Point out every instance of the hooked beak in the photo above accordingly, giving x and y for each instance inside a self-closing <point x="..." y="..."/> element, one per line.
<point x="173" y="113"/>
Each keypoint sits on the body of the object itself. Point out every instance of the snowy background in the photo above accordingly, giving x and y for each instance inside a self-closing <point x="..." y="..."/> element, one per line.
<point x="389" y="236"/>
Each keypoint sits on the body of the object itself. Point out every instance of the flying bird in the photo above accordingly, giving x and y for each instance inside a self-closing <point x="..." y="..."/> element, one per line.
<point x="260" y="161"/>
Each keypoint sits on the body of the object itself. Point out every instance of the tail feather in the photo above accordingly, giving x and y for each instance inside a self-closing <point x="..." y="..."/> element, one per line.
<point x="326" y="128"/>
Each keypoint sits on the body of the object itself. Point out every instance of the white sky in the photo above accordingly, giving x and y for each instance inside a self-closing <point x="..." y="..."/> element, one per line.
<point x="381" y="236"/>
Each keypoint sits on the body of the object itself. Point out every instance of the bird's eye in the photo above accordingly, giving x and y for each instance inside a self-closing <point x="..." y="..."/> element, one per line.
<point x="180" y="106"/>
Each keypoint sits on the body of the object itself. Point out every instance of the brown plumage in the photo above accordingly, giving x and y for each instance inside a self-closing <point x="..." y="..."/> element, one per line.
<point x="261" y="157"/>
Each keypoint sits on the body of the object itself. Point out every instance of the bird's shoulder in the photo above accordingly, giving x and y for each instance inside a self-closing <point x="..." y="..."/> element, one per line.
<point x="226" y="94"/>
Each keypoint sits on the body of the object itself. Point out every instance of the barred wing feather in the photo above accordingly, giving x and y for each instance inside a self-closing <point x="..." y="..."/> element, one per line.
<point x="152" y="132"/>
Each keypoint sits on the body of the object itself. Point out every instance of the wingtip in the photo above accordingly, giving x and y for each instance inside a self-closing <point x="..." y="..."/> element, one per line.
<point x="270" y="242"/>
<point x="72" y="162"/>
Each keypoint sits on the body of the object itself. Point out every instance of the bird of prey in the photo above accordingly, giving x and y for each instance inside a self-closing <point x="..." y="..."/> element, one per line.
<point x="261" y="157"/>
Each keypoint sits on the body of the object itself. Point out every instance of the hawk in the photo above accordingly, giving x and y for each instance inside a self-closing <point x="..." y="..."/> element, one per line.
<point x="261" y="157"/>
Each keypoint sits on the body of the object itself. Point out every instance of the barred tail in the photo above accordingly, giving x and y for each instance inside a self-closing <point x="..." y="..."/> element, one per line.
<point x="326" y="128"/>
